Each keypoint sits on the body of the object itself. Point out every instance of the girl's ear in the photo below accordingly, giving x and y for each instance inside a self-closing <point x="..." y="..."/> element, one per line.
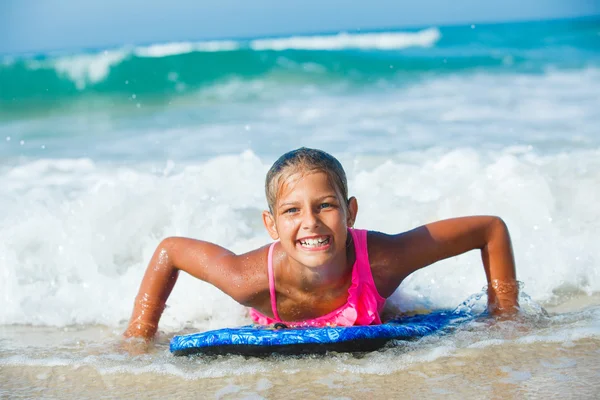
<point x="269" y="222"/>
<point x="352" y="211"/>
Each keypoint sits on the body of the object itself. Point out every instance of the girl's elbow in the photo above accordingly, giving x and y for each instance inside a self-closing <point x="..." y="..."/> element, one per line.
<point x="166" y="251"/>
<point x="498" y="224"/>
<point x="496" y="230"/>
<point x="172" y="244"/>
<point x="167" y="244"/>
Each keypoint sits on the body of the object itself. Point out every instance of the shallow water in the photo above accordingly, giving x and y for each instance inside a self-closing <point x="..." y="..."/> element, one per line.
<point x="540" y="355"/>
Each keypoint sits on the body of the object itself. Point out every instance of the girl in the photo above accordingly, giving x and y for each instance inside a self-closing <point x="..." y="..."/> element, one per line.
<point x="320" y="271"/>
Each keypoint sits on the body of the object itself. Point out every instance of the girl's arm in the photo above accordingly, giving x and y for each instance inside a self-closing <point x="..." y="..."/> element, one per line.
<point x="203" y="260"/>
<point x="410" y="251"/>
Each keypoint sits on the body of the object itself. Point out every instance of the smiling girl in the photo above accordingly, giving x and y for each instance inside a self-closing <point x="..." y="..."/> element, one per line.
<point x="320" y="271"/>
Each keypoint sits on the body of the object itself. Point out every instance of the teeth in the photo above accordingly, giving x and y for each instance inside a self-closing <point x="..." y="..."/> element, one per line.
<point x="314" y="242"/>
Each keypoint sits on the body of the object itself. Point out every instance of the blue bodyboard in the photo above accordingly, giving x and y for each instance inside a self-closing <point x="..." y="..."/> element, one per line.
<point x="257" y="340"/>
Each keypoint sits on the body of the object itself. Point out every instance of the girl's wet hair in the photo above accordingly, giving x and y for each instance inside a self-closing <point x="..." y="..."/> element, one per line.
<point x="305" y="160"/>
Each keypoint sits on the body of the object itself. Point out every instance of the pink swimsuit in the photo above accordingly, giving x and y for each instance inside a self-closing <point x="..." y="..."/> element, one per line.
<point x="364" y="302"/>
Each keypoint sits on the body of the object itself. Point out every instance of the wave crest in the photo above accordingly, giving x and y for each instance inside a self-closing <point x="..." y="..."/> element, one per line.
<point x="342" y="41"/>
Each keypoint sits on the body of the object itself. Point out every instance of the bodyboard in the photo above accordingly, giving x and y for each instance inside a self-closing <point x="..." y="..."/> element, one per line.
<point x="257" y="340"/>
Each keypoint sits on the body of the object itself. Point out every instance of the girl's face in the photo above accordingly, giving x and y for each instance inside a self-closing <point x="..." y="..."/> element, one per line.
<point x="310" y="220"/>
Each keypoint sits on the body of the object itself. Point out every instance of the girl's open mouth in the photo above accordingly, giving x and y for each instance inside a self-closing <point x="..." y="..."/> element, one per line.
<point x="316" y="242"/>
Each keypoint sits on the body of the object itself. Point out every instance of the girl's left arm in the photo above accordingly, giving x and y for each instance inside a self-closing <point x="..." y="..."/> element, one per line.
<point x="400" y="255"/>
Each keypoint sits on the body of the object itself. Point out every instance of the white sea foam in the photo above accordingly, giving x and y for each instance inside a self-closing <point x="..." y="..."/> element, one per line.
<point x="90" y="68"/>
<point x="175" y="48"/>
<point x="364" y="41"/>
<point x="75" y="235"/>
<point x="84" y="69"/>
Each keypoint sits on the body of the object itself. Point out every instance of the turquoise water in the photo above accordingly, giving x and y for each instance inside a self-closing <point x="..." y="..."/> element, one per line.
<point x="421" y="87"/>
<point x="163" y="72"/>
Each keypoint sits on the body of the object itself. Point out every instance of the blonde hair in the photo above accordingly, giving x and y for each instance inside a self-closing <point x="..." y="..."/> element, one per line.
<point x="305" y="160"/>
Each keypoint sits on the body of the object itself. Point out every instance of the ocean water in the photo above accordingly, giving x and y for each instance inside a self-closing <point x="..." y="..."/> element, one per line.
<point x="104" y="152"/>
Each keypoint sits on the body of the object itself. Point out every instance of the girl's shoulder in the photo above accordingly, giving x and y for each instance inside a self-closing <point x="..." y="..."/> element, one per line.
<point x="379" y="242"/>
<point x="384" y="247"/>
<point x="387" y="257"/>
<point x="253" y="264"/>
<point x="251" y="272"/>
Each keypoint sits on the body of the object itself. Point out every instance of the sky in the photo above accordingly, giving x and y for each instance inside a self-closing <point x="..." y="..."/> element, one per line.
<point x="34" y="26"/>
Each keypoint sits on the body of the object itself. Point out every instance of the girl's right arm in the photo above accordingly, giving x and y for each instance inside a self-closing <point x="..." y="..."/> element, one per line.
<point x="397" y="256"/>
<point x="203" y="260"/>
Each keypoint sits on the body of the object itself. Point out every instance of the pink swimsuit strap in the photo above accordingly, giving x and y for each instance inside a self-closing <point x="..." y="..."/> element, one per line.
<point x="272" y="282"/>
<point x="364" y="303"/>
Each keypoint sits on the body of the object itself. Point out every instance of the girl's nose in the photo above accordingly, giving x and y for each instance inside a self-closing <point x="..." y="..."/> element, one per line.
<point x="310" y="220"/>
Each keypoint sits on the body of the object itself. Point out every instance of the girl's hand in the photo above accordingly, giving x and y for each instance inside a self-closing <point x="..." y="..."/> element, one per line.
<point x="503" y="297"/>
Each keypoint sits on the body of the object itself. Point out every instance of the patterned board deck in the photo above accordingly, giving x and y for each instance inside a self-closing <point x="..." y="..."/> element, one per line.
<point x="258" y="340"/>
